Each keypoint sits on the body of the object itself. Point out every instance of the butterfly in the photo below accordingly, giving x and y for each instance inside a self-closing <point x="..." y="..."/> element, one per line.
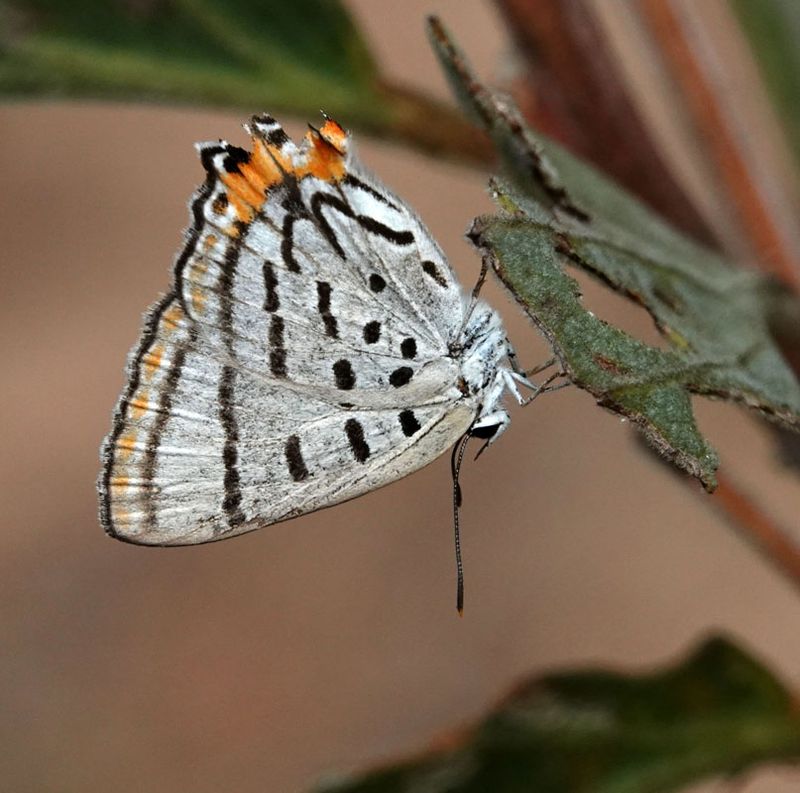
<point x="315" y="345"/>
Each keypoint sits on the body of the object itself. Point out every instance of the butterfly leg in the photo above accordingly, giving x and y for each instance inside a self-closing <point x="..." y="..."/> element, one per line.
<point x="541" y="367"/>
<point x="545" y="387"/>
<point x="511" y="379"/>
<point x="518" y="375"/>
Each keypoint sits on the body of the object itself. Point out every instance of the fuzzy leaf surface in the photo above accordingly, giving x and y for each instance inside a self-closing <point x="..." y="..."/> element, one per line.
<point x="557" y="212"/>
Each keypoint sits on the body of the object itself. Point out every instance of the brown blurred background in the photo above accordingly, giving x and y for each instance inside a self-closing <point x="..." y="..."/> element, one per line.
<point x="329" y="642"/>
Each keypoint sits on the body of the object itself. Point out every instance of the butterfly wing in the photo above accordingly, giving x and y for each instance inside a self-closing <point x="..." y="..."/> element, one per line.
<point x="301" y="359"/>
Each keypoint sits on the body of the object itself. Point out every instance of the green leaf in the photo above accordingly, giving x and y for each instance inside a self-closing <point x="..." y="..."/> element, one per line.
<point x="558" y="212"/>
<point x="720" y="712"/>
<point x="301" y="55"/>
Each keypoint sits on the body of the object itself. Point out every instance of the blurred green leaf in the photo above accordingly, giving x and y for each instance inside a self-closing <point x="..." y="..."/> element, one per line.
<point x="298" y="57"/>
<point x="557" y="212"/>
<point x="720" y="712"/>
<point x="773" y="29"/>
<point x="262" y="54"/>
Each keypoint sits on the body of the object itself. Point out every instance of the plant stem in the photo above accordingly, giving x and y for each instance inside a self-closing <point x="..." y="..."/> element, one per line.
<point x="705" y="103"/>
<point x="773" y="541"/>
<point x="572" y="89"/>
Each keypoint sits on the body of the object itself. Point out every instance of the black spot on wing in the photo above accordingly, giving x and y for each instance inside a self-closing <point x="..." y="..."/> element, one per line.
<point x="376" y="283"/>
<point x="433" y="271"/>
<point x="355" y="435"/>
<point x="271" y="300"/>
<point x="408" y="348"/>
<point x="372" y="332"/>
<point x="344" y="375"/>
<point x="408" y="422"/>
<point x="277" y="137"/>
<point x="234" y="157"/>
<point x="400" y="376"/>
<point x="324" y="307"/>
<point x="294" y="459"/>
<point x="277" y="353"/>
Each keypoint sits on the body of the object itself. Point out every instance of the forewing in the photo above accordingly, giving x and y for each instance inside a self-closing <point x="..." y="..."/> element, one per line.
<point x="301" y="359"/>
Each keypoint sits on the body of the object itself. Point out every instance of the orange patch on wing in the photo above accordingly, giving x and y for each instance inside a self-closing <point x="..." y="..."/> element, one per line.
<point x="210" y="241"/>
<point x="198" y="295"/>
<point x="269" y="161"/>
<point x="152" y="360"/>
<point x="126" y="445"/>
<point x="325" y="161"/>
<point x="246" y="191"/>
<point x="172" y="317"/>
<point x="334" y="135"/>
<point x="259" y="181"/>
<point x="140" y="403"/>
<point x="240" y="187"/>
<point x="119" y="482"/>
<point x="220" y="204"/>
<point x="244" y="212"/>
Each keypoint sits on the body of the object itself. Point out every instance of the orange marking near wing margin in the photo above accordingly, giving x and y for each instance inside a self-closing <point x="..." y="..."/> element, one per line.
<point x="335" y="135"/>
<point x="239" y="186"/>
<point x="325" y="161"/>
<point x="126" y="445"/>
<point x="140" y="403"/>
<point x="321" y="156"/>
<point x="172" y="317"/>
<point x="152" y="360"/>
<point x="197" y="293"/>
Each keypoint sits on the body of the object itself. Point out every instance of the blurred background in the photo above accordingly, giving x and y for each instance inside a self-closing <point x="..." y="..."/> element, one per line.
<point x="330" y="642"/>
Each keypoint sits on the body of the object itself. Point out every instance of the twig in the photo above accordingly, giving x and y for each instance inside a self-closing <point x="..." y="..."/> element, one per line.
<point x="573" y="89"/>
<point x="773" y="541"/>
<point x="703" y="100"/>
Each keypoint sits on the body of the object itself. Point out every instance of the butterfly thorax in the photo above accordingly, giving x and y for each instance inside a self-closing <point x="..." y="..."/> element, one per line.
<point x="482" y="348"/>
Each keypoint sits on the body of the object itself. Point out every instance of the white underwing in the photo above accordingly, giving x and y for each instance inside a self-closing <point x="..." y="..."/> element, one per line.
<point x="315" y="345"/>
